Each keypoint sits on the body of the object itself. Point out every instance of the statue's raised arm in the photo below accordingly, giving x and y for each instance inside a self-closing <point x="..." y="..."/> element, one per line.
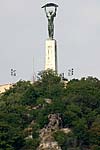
<point x="46" y="11"/>
<point x="54" y="14"/>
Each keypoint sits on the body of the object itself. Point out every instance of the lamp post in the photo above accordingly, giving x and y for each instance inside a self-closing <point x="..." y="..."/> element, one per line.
<point x="70" y="72"/>
<point x="13" y="74"/>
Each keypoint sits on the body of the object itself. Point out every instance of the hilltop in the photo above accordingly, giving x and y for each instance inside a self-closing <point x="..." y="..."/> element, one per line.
<point x="49" y="114"/>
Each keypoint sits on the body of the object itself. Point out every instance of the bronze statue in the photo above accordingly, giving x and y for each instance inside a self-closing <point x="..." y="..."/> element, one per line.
<point x="50" y="16"/>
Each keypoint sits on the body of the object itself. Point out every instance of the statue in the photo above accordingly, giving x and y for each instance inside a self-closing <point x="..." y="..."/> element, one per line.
<point x="50" y="16"/>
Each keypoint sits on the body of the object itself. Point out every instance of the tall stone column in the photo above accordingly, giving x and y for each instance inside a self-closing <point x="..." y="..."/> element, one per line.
<point x="51" y="54"/>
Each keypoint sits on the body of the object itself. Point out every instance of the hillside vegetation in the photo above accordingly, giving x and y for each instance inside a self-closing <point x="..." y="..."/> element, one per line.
<point x="25" y="107"/>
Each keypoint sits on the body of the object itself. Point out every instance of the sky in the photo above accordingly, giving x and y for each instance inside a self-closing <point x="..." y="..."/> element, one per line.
<point x="23" y="32"/>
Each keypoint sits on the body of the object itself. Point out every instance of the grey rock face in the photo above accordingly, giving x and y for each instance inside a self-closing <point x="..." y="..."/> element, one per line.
<point x="47" y="140"/>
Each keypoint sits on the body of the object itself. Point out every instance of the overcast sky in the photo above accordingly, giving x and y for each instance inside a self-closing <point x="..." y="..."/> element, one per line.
<point x="23" y="31"/>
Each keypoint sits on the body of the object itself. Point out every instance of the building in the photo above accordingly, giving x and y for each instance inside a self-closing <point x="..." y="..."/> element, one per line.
<point x="4" y="87"/>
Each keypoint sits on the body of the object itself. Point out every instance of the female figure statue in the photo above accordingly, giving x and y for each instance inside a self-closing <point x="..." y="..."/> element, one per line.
<point x="50" y="15"/>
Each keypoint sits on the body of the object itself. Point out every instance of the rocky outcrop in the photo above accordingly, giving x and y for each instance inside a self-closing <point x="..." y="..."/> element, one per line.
<point x="47" y="140"/>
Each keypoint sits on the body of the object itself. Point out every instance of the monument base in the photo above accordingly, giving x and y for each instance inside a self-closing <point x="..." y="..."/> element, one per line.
<point x="51" y="54"/>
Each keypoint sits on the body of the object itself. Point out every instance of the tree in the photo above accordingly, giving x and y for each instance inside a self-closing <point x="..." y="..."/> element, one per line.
<point x="10" y="138"/>
<point x="24" y="105"/>
<point x="49" y="85"/>
<point x="66" y="141"/>
<point x="95" y="134"/>
<point x="29" y="96"/>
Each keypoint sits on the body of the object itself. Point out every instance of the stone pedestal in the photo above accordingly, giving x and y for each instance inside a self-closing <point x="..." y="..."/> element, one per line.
<point x="51" y="55"/>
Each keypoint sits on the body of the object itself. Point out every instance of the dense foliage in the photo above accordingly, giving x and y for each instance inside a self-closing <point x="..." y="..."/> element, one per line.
<point x="24" y="111"/>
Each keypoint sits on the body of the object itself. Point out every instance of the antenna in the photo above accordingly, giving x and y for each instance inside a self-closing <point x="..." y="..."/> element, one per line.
<point x="33" y="74"/>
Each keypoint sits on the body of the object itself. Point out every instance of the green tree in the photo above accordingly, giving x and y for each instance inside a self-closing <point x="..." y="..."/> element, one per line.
<point x="66" y="141"/>
<point x="95" y="134"/>
<point x="49" y="85"/>
<point x="10" y="138"/>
